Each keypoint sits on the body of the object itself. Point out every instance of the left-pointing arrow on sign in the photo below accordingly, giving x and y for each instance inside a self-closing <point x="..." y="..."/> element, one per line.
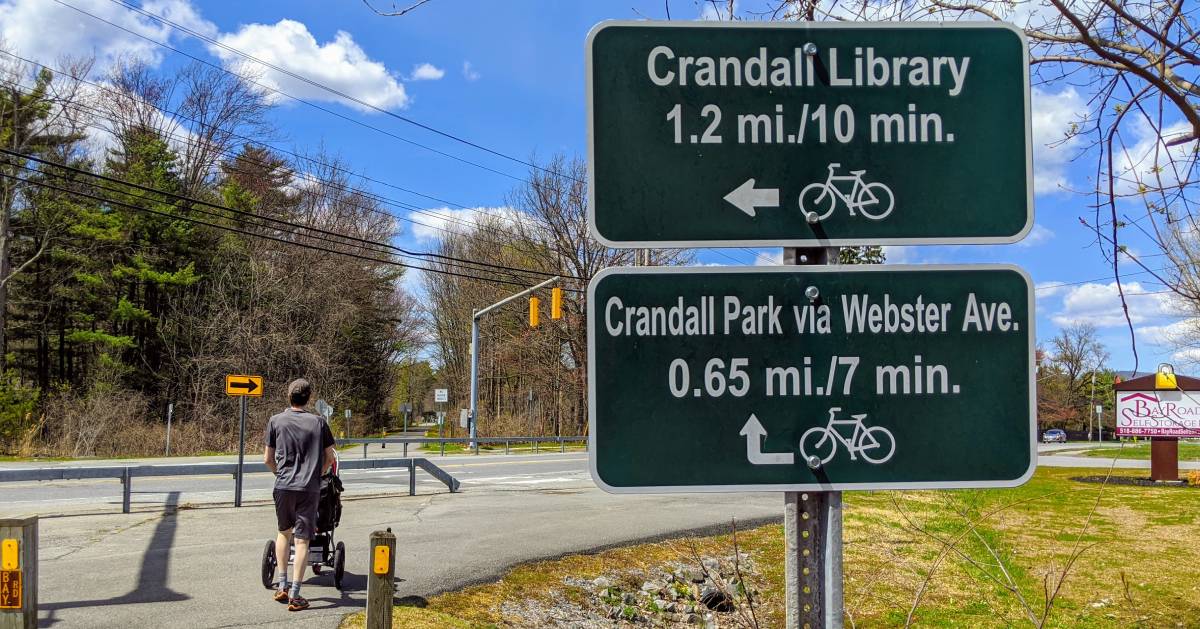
<point x="746" y="197"/>
<point x="755" y="433"/>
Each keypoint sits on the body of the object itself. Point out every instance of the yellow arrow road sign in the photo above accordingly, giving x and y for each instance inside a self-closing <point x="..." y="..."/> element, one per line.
<point x="243" y="385"/>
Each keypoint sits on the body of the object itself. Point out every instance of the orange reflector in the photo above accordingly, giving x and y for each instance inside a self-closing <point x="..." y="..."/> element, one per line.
<point x="10" y="558"/>
<point x="380" y="565"/>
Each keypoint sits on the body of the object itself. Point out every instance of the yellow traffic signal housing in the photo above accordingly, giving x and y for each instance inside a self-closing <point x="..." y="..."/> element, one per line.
<point x="556" y="303"/>
<point x="534" y="302"/>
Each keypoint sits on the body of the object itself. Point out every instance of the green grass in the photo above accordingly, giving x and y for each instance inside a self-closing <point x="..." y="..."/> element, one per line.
<point x="1187" y="452"/>
<point x="894" y="540"/>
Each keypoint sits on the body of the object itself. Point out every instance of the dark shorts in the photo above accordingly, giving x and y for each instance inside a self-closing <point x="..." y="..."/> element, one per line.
<point x="297" y="510"/>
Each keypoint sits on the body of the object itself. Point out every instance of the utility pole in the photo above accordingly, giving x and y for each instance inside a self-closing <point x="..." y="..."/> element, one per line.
<point x="1092" y="404"/>
<point x="473" y="419"/>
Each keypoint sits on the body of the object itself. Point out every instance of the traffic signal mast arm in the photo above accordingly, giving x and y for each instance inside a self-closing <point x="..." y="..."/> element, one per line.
<point x="475" y="347"/>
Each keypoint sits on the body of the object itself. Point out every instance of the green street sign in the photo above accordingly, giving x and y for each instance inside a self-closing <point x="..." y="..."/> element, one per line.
<point x="811" y="378"/>
<point x="799" y="134"/>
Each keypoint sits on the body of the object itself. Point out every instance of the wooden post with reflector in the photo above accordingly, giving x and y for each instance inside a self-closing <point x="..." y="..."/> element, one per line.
<point x="18" y="572"/>
<point x="556" y="303"/>
<point x="1164" y="451"/>
<point x="381" y="580"/>
<point x="534" y="304"/>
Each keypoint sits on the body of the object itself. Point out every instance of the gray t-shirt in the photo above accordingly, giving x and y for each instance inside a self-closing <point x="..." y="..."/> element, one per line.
<point x="299" y="439"/>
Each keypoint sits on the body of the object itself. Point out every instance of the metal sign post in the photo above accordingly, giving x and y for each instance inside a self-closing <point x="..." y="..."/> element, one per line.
<point x="170" y="414"/>
<point x="237" y="490"/>
<point x="812" y="527"/>
<point x="242" y="387"/>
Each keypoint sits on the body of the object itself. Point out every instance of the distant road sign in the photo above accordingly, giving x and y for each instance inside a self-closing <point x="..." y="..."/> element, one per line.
<point x="705" y="134"/>
<point x="441" y="395"/>
<point x="811" y="378"/>
<point x="324" y="408"/>
<point x="244" y="385"/>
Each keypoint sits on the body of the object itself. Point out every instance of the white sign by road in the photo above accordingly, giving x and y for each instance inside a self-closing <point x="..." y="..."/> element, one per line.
<point x="463" y="417"/>
<point x="441" y="395"/>
<point x="1158" y="414"/>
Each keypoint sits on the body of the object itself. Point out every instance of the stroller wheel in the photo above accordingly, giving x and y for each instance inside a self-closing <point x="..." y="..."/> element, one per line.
<point x="268" y="566"/>
<point x="339" y="564"/>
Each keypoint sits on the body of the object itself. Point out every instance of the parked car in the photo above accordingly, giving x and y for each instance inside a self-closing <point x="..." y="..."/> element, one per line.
<point x="1054" y="435"/>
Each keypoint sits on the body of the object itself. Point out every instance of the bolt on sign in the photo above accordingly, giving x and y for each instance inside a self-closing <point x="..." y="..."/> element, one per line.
<point x="793" y="134"/>
<point x="811" y="378"/>
<point x="239" y="385"/>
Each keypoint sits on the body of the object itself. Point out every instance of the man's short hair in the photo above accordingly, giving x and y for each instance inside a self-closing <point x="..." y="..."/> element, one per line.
<point x="299" y="391"/>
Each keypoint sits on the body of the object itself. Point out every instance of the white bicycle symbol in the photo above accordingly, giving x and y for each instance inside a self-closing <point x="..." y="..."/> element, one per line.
<point x="876" y="444"/>
<point x="872" y="200"/>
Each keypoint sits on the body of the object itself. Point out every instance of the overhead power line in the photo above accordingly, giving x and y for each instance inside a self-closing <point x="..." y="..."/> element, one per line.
<point x="331" y="90"/>
<point x="382" y="199"/>
<point x="317" y="84"/>
<point x="249" y="233"/>
<point x="216" y="206"/>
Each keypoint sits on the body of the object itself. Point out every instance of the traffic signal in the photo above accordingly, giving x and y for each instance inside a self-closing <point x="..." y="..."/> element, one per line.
<point x="555" y="303"/>
<point x="534" y="302"/>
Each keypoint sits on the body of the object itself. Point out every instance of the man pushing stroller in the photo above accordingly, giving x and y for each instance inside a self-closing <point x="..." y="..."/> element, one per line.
<point x="299" y="449"/>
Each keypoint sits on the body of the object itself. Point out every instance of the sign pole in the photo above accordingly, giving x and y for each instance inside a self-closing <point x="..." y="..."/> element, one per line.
<point x="237" y="489"/>
<point x="812" y="526"/>
<point x="170" y="413"/>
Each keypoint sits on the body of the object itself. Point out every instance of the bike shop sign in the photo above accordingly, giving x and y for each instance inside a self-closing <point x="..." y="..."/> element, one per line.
<point x="810" y="378"/>
<point x="1158" y="414"/>
<point x="750" y="134"/>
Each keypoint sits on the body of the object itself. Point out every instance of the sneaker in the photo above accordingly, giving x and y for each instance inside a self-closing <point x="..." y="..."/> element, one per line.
<point x="281" y="596"/>
<point x="297" y="603"/>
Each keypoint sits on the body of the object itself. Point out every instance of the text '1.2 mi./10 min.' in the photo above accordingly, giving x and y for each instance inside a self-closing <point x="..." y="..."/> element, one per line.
<point x="801" y="122"/>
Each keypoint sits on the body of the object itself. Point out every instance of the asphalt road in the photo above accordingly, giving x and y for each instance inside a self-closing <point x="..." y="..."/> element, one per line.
<point x="184" y="558"/>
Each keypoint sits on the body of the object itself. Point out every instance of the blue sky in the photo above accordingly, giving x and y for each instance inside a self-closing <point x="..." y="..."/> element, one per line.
<point x="509" y="76"/>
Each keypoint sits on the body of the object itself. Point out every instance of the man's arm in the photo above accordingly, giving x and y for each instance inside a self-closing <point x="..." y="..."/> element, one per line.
<point x="269" y="459"/>
<point x="329" y="457"/>
<point x="328" y="442"/>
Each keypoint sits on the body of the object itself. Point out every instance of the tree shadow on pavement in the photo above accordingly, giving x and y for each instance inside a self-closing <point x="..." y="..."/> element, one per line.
<point x="151" y="585"/>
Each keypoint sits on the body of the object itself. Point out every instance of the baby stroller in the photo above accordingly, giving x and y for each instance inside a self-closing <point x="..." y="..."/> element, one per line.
<point x="322" y="551"/>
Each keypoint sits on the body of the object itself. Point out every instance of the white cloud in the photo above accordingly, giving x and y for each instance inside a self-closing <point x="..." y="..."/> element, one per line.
<point x="340" y="64"/>
<point x="769" y="258"/>
<point x="899" y="254"/>
<point x="1037" y="236"/>
<point x="426" y="72"/>
<point x="433" y="223"/>
<point x="1053" y="115"/>
<point x="1150" y="153"/>
<point x="45" y="31"/>
<point x="469" y="73"/>
<point x="1100" y="305"/>
<point x="716" y="11"/>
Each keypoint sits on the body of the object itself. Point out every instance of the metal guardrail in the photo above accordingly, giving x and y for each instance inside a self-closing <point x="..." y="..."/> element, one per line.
<point x="127" y="473"/>
<point x="507" y="441"/>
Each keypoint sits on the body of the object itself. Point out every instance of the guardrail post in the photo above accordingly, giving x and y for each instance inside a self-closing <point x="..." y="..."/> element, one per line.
<point x="506" y="446"/>
<point x="476" y="447"/>
<point x="19" y="573"/>
<point x="381" y="580"/>
<point x="364" y="450"/>
<point x="412" y="477"/>
<point x="126" y="489"/>
<point x="535" y="445"/>
<point x="406" y="448"/>
<point x="562" y="445"/>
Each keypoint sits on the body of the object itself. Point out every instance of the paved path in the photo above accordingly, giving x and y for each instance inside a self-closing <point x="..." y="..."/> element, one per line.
<point x="199" y="567"/>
